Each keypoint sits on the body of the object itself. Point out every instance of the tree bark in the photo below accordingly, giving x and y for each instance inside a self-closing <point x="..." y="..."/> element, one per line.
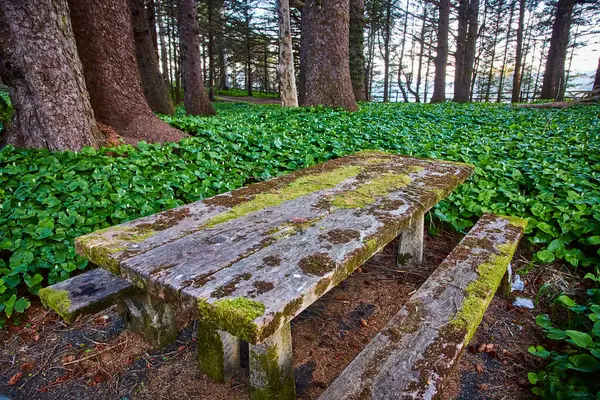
<point x="195" y="99"/>
<point x="151" y="14"/>
<point x="153" y="84"/>
<point x="40" y="65"/>
<point x="326" y="28"/>
<point x="210" y="4"/>
<point x="441" y="57"/>
<point x="464" y="75"/>
<point x="597" y="79"/>
<point x="285" y="69"/>
<point x="164" y="58"/>
<point x="387" y="37"/>
<point x="504" y="59"/>
<point x="357" y="56"/>
<point x="104" y="37"/>
<point x="517" y="77"/>
<point x="554" y="74"/>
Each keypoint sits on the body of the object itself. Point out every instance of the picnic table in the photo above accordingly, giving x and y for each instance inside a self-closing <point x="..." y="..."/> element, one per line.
<point x="248" y="261"/>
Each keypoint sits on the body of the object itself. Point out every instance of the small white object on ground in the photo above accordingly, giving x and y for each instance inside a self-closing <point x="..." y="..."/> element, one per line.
<point x="517" y="284"/>
<point x="523" y="302"/>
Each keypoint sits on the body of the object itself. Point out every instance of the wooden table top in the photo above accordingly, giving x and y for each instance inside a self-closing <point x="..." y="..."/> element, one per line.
<point x="252" y="259"/>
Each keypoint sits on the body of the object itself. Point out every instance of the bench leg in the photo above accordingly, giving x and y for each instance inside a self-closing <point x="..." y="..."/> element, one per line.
<point x="271" y="367"/>
<point x="150" y="317"/>
<point x="410" y="246"/>
<point x="505" y="288"/>
<point x="218" y="352"/>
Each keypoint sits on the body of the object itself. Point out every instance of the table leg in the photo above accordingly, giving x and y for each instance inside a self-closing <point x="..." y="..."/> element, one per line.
<point x="410" y="246"/>
<point x="271" y="367"/>
<point x="218" y="352"/>
<point x="150" y="317"/>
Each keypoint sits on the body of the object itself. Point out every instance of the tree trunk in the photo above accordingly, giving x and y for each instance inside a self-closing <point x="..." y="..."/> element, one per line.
<point x="464" y="75"/>
<point x="223" y="75"/>
<point x="162" y="33"/>
<point x="597" y="79"/>
<point x="554" y="73"/>
<point x="357" y="56"/>
<point x="211" y="49"/>
<point x="195" y="99"/>
<point x="154" y="86"/>
<point x="326" y="27"/>
<point x="285" y="69"/>
<point x="40" y="66"/>
<point x="104" y="37"/>
<point x="387" y="36"/>
<point x="517" y="78"/>
<point x="490" y="74"/>
<point x="151" y="14"/>
<point x="459" y="54"/>
<point x="504" y="59"/>
<point x="401" y="59"/>
<point x="441" y="57"/>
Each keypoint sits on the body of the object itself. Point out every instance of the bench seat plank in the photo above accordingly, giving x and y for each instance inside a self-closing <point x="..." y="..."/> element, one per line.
<point x="270" y="249"/>
<point x="90" y="292"/>
<point x="417" y="349"/>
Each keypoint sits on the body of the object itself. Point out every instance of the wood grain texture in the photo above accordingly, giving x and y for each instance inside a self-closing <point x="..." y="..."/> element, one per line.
<point x="87" y="293"/>
<point x="281" y="257"/>
<point x="413" y="354"/>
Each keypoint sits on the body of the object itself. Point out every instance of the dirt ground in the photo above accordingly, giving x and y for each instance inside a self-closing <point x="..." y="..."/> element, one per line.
<point x="43" y="358"/>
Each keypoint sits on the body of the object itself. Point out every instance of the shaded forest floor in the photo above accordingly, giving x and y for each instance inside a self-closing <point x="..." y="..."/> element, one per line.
<point x="247" y="99"/>
<point x="43" y="358"/>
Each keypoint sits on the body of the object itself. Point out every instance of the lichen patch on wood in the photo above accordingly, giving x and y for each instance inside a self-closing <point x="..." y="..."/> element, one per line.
<point x="291" y="235"/>
<point x="422" y="343"/>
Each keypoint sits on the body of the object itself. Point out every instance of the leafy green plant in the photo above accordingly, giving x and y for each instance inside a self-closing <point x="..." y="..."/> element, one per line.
<point x="536" y="164"/>
<point x="573" y="370"/>
<point x="244" y="93"/>
<point x="6" y="109"/>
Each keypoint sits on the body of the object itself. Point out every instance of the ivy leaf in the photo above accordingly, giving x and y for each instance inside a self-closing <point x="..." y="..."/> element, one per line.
<point x="21" y="305"/>
<point x="585" y="363"/>
<point x="581" y="339"/>
<point x="545" y="256"/>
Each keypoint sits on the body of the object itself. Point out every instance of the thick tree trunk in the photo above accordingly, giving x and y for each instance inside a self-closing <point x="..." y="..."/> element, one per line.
<point x="554" y="74"/>
<point x="104" y="39"/>
<point x="326" y="27"/>
<point x="597" y="79"/>
<point x="441" y="57"/>
<point x="285" y="69"/>
<point x="357" y="56"/>
<point x="40" y="66"/>
<point x="153" y="84"/>
<point x="464" y="75"/>
<point x="517" y="77"/>
<point x="195" y="99"/>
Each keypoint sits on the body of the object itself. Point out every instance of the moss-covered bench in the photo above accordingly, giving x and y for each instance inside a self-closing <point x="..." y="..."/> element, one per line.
<point x="250" y="260"/>
<point x="415" y="352"/>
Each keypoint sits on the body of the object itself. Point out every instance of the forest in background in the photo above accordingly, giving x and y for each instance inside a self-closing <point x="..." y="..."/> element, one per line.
<point x="110" y="117"/>
<point x="401" y="39"/>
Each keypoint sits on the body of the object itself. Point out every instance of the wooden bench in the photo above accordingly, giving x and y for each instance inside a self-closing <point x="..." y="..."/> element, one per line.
<point x="250" y="260"/>
<point x="415" y="352"/>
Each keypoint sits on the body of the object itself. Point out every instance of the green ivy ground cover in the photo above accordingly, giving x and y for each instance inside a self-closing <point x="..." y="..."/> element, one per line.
<point x="543" y="165"/>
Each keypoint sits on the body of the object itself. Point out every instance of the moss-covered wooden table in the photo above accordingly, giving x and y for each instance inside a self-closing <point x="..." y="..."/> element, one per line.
<point x="250" y="260"/>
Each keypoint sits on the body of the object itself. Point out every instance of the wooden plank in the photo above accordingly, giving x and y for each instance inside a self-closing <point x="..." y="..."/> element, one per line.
<point x="413" y="354"/>
<point x="269" y="250"/>
<point x="88" y="293"/>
